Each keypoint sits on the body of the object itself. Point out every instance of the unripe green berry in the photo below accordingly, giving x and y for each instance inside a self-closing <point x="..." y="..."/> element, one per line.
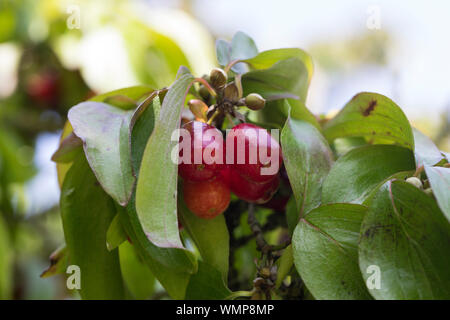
<point x="231" y="92"/>
<point x="254" y="101"/>
<point x="218" y="78"/>
<point x="415" y="182"/>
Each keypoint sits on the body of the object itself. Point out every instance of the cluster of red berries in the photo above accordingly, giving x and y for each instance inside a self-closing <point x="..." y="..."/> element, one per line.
<point x="207" y="187"/>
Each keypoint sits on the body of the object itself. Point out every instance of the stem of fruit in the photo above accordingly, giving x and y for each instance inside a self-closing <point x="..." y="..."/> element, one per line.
<point x="207" y="86"/>
<point x="230" y="65"/>
<point x="215" y="114"/>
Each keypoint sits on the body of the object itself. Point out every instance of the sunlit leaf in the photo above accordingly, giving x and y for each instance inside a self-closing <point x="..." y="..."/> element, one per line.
<point x="6" y="262"/>
<point x="374" y="117"/>
<point x="115" y="235"/>
<point x="58" y="262"/>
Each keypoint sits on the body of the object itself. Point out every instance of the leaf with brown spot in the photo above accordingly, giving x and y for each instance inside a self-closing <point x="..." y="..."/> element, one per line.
<point x="371" y="115"/>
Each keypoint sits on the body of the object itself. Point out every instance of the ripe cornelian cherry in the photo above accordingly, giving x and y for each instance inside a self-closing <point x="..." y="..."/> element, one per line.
<point x="250" y="191"/>
<point x="201" y="169"/>
<point x="206" y="199"/>
<point x="254" y="139"/>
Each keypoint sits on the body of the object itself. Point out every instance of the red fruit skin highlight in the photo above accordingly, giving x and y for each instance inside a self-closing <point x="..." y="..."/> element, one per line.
<point x="252" y="171"/>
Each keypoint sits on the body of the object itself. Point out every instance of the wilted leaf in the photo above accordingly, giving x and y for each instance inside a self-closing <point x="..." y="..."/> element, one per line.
<point x="325" y="249"/>
<point x="308" y="159"/>
<point x="439" y="178"/>
<point x="359" y="171"/>
<point x="157" y="206"/>
<point x="373" y="116"/>
<point x="405" y="235"/>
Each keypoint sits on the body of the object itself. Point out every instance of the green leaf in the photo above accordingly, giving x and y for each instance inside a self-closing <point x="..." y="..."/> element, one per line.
<point x="267" y="59"/>
<point x="157" y="206"/>
<point x="223" y="52"/>
<point x="59" y="260"/>
<point x="172" y="267"/>
<point x="207" y="284"/>
<point x="439" y="178"/>
<point x="284" y="264"/>
<point x="87" y="212"/>
<point x="134" y="93"/>
<point x="137" y="276"/>
<point x="359" y="171"/>
<point x="105" y="133"/>
<point x="115" y="235"/>
<point x="68" y="149"/>
<point x="210" y="236"/>
<point x="373" y="116"/>
<point x="285" y="79"/>
<point x="6" y="262"/>
<point x="292" y="214"/>
<point x="406" y="236"/>
<point x="325" y="249"/>
<point x="242" y="47"/>
<point x="425" y="150"/>
<point x="308" y="159"/>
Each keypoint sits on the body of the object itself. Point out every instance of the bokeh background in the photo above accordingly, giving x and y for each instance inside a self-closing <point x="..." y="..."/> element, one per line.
<point x="54" y="54"/>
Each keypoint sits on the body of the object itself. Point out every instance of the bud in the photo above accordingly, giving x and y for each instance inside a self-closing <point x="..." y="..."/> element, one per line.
<point x="199" y="109"/>
<point x="218" y="78"/>
<point x="265" y="272"/>
<point x="254" y="101"/>
<point x="231" y="92"/>
<point x="203" y="91"/>
<point x="415" y="182"/>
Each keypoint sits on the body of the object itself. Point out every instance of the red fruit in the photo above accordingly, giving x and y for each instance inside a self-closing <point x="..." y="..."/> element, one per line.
<point x="206" y="199"/>
<point x="255" y="139"/>
<point x="250" y="191"/>
<point x="203" y="136"/>
<point x="43" y="88"/>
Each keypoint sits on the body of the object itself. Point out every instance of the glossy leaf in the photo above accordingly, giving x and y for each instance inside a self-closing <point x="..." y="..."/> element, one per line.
<point x="359" y="171"/>
<point x="439" y="178"/>
<point x="87" y="212"/>
<point x="374" y="117"/>
<point x="407" y="237"/>
<point x="104" y="130"/>
<point x="157" y="207"/>
<point x="207" y="284"/>
<point x="137" y="276"/>
<point x="425" y="150"/>
<point x="210" y="236"/>
<point x="308" y="159"/>
<point x="325" y="249"/>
